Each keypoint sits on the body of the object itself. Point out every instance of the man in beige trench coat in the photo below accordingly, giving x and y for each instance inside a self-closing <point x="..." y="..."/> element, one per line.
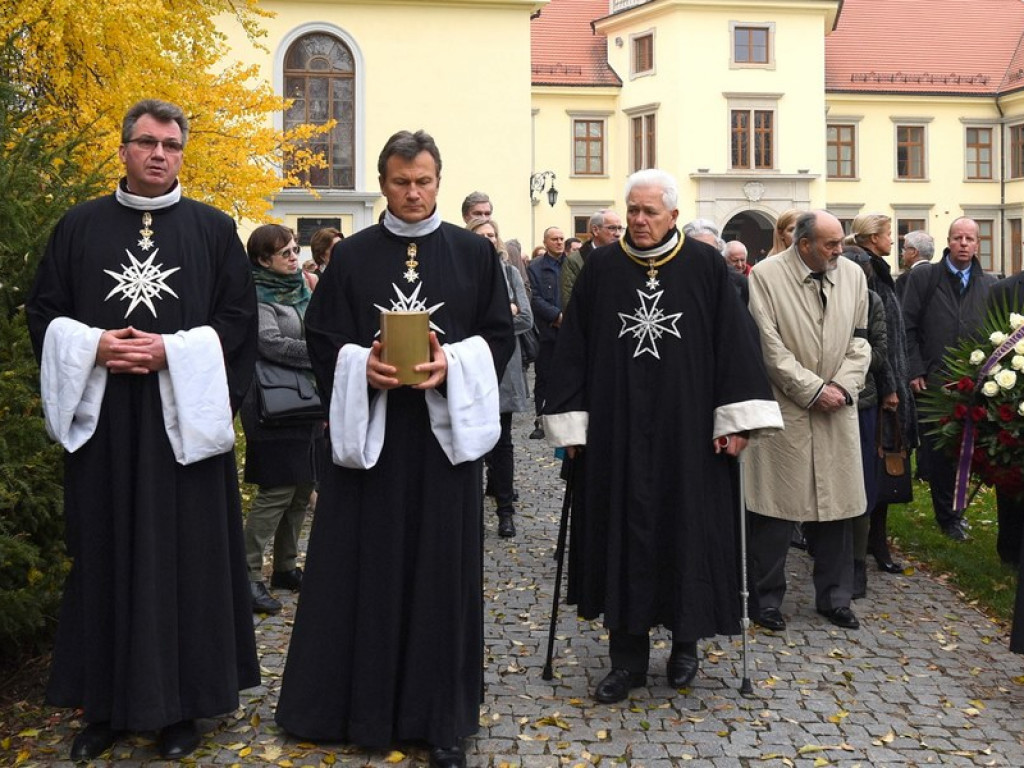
<point x="811" y="309"/>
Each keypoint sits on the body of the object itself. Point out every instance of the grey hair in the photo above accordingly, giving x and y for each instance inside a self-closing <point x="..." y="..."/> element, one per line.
<point x="164" y="111"/>
<point x="474" y="198"/>
<point x="655" y="177"/>
<point x="699" y="227"/>
<point x="408" y="145"/>
<point x="921" y="242"/>
<point x="806" y="227"/>
<point x="597" y="218"/>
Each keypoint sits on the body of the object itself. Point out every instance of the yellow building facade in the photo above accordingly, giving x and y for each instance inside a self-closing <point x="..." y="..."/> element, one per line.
<point x="458" y="69"/>
<point x="744" y="101"/>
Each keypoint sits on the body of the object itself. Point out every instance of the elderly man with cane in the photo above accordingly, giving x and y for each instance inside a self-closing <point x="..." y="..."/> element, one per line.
<point x="657" y="384"/>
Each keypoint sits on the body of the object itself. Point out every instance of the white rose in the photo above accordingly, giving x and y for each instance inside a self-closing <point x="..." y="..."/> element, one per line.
<point x="978" y="357"/>
<point x="997" y="338"/>
<point x="1006" y="379"/>
<point x="990" y="389"/>
<point x="1017" y="362"/>
<point x="995" y="369"/>
<point x="1020" y="409"/>
<point x="1016" y="321"/>
<point x="1019" y="347"/>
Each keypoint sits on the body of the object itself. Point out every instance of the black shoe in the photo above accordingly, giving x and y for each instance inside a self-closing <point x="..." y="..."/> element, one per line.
<point x="889" y="566"/>
<point x="957" y="530"/>
<point x="682" y="665"/>
<point x="287" y="579"/>
<point x="771" y="618"/>
<point x="178" y="740"/>
<point x="447" y="757"/>
<point x="538" y="431"/>
<point x="93" y="741"/>
<point x="617" y="684"/>
<point x="506" y="525"/>
<point x="841" y="617"/>
<point x="262" y="602"/>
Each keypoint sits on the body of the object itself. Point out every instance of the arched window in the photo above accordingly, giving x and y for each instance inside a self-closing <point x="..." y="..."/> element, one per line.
<point x="319" y="75"/>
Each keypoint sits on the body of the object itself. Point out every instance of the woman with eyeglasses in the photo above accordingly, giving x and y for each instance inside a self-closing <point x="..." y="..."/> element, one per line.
<point x="280" y="460"/>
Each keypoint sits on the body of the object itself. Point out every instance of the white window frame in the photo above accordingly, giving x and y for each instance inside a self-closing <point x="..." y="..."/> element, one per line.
<point x="591" y="116"/>
<point x="643" y="111"/>
<point x="993" y="160"/>
<point x="767" y="26"/>
<point x="853" y="121"/>
<point x="910" y="122"/>
<point x="748" y="102"/>
<point x="633" y="71"/>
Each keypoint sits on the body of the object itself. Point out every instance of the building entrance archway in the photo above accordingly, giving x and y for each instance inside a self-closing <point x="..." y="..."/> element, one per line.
<point x="752" y="228"/>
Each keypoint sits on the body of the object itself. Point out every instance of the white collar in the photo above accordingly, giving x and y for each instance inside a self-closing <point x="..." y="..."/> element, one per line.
<point x="140" y="203"/>
<point x="401" y="228"/>
<point x="650" y="253"/>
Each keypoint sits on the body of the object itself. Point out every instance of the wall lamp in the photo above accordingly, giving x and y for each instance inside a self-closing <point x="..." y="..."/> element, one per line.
<point x="537" y="183"/>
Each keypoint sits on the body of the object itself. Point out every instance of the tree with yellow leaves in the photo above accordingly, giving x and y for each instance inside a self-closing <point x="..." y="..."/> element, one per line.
<point x="87" y="62"/>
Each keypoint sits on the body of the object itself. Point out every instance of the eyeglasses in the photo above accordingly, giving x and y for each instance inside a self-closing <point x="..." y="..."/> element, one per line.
<point x="148" y="144"/>
<point x="293" y="249"/>
<point x="614" y="227"/>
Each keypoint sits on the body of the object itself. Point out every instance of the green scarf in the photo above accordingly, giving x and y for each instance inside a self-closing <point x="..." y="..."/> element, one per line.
<point x="275" y="288"/>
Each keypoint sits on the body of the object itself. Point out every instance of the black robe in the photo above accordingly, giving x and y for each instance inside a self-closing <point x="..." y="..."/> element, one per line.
<point x="654" y="527"/>
<point x="388" y="637"/>
<point x="156" y="620"/>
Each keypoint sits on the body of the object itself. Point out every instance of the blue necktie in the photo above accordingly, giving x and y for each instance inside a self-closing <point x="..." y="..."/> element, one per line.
<point x="965" y="275"/>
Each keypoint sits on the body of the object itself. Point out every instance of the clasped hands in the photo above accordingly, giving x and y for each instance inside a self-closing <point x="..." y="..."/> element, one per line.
<point x="832" y="398"/>
<point x="129" y="350"/>
<point x="380" y="375"/>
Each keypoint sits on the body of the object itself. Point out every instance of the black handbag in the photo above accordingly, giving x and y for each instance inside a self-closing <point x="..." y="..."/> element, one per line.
<point x="286" y="396"/>
<point x="895" y="484"/>
<point x="529" y="344"/>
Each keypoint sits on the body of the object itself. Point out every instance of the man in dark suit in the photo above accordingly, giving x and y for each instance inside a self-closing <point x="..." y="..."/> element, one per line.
<point x="943" y="304"/>
<point x="545" y="274"/>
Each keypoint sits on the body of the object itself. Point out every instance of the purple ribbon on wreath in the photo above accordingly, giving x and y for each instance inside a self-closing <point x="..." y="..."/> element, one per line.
<point x="963" y="465"/>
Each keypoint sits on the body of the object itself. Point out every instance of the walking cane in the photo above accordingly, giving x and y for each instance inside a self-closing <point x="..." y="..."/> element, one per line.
<point x="745" y="687"/>
<point x="563" y="526"/>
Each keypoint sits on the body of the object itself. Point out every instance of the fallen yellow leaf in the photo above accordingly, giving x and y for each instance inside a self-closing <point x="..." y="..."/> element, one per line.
<point x="394" y="756"/>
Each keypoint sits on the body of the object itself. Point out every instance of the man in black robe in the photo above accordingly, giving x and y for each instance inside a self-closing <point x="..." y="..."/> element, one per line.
<point x="144" y="316"/>
<point x="656" y="385"/>
<point x="388" y="637"/>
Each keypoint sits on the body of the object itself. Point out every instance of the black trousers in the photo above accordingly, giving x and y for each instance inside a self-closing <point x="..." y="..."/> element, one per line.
<point x="541" y="371"/>
<point x="501" y="466"/>
<point x="1010" y="538"/>
<point x="830" y="544"/>
<point x="941" y="480"/>
<point x="633" y="652"/>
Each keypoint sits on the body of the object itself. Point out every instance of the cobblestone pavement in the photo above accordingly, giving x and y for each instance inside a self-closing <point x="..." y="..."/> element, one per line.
<point x="927" y="680"/>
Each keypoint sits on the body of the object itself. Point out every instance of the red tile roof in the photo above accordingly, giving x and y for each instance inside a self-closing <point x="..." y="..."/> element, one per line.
<point x="926" y="46"/>
<point x="564" y="48"/>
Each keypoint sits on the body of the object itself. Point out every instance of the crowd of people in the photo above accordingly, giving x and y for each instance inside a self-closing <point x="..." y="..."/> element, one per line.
<point x="667" y="365"/>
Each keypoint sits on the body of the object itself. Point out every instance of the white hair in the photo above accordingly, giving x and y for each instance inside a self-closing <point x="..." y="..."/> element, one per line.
<point x="735" y="245"/>
<point x="655" y="177"/>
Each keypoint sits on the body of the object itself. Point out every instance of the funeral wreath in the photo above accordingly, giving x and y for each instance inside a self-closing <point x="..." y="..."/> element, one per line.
<point x="978" y="414"/>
